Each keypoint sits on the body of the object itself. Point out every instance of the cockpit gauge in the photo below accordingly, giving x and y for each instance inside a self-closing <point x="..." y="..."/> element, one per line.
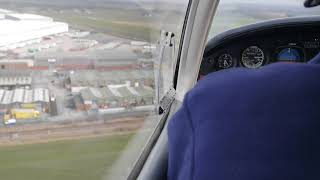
<point x="253" y="57"/>
<point x="289" y="54"/>
<point x="225" y="61"/>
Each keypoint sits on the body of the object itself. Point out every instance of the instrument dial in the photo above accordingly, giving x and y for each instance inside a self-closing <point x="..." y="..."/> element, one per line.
<point x="225" y="61"/>
<point x="253" y="57"/>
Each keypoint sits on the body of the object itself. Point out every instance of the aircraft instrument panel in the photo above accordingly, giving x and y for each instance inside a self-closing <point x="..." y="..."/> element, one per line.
<point x="255" y="46"/>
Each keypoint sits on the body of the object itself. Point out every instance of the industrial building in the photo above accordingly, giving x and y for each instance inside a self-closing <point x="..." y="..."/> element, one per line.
<point x="19" y="30"/>
<point x="115" y="59"/>
<point x="16" y="64"/>
<point x="81" y="79"/>
<point x="20" y="104"/>
<point x="13" y="79"/>
<point x="21" y="97"/>
<point x="115" y="97"/>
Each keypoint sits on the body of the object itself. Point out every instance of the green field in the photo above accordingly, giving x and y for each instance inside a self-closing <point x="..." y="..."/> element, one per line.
<point x="130" y="24"/>
<point x="131" y="20"/>
<point x="125" y="29"/>
<point x="86" y="159"/>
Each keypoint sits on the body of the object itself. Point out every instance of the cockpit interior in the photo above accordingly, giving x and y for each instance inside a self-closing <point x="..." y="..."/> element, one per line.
<point x="295" y="40"/>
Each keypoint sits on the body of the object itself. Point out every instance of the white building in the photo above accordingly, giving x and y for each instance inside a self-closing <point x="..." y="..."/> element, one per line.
<point x="24" y="96"/>
<point x="26" y="17"/>
<point x="18" y="30"/>
<point x="15" y="81"/>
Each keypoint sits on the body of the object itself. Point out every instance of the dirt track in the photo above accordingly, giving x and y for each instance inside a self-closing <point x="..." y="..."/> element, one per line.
<point x="46" y="132"/>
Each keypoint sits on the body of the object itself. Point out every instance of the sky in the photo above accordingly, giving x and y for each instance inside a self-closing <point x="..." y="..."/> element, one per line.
<point x="233" y="1"/>
<point x="269" y="2"/>
<point x="258" y="2"/>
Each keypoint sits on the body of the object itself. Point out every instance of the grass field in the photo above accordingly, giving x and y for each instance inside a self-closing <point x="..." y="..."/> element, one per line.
<point x="86" y="159"/>
<point x="129" y="20"/>
<point x="132" y="26"/>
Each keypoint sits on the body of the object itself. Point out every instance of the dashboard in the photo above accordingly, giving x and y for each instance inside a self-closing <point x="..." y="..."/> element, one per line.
<point x="295" y="40"/>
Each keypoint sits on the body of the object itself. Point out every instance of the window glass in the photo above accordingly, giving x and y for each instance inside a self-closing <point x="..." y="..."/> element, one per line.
<point x="79" y="83"/>
<point x="236" y="13"/>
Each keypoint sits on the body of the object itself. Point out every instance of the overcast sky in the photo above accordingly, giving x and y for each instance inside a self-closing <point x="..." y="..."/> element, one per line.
<point x="265" y="1"/>
<point x="260" y="1"/>
<point x="270" y="2"/>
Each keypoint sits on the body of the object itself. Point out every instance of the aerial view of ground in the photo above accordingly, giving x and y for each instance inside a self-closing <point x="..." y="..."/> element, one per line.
<point x="83" y="159"/>
<point x="86" y="90"/>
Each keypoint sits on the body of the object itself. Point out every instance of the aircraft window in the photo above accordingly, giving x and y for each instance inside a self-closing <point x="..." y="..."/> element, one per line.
<point x="237" y="13"/>
<point x="79" y="83"/>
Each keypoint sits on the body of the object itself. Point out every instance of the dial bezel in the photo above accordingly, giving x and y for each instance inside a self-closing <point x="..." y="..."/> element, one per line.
<point x="257" y="65"/>
<point x="231" y="59"/>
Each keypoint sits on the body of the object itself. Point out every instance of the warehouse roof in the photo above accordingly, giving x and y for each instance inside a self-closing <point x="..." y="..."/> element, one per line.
<point x="144" y="91"/>
<point x="15" y="80"/>
<point x="17" y="28"/>
<point x="20" y="16"/>
<point x="115" y="93"/>
<point x="126" y="93"/>
<point x="99" y="57"/>
<point x="29" y="62"/>
<point x="4" y="11"/>
<point x="24" y="96"/>
<point x="9" y="73"/>
<point x="10" y="27"/>
<point x="96" y="78"/>
<point x="97" y="94"/>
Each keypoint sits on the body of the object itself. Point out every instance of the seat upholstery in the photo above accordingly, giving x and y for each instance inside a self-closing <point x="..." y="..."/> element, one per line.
<point x="243" y="124"/>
